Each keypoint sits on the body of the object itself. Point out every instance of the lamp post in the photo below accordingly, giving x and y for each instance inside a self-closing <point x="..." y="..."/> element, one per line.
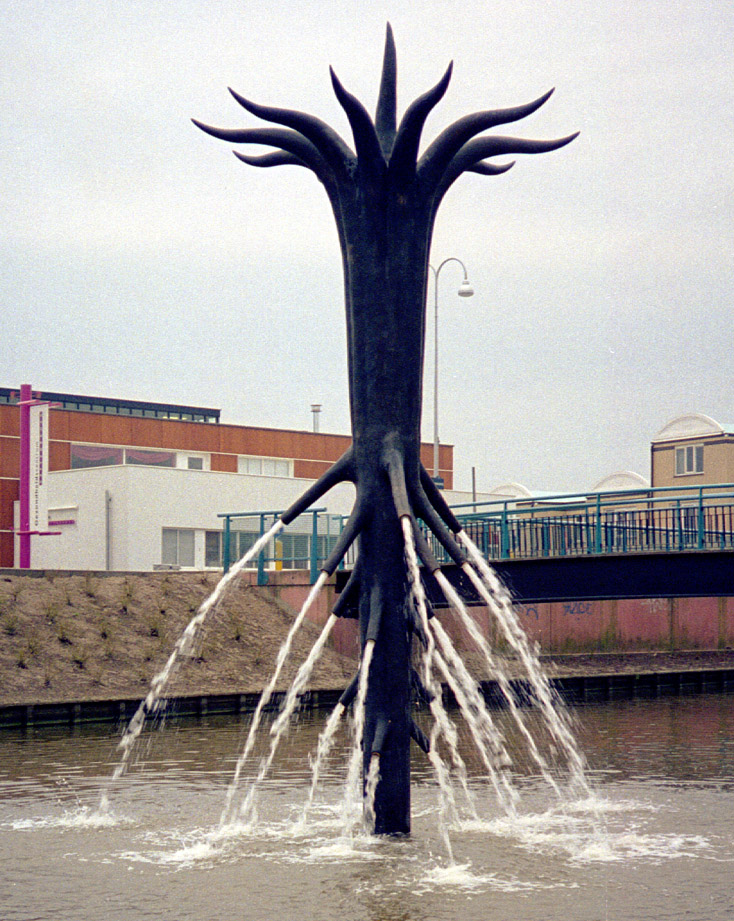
<point x="465" y="290"/>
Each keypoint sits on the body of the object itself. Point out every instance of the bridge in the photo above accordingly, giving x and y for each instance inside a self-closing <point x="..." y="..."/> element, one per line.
<point x="635" y="570"/>
<point x="693" y="525"/>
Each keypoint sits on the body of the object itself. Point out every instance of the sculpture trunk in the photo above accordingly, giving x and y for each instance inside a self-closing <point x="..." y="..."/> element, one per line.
<point x="385" y="264"/>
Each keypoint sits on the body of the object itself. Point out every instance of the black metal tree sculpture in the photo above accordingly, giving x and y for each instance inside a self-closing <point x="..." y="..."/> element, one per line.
<point x="385" y="197"/>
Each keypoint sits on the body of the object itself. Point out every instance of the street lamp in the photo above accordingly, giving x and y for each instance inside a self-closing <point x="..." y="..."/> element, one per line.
<point x="465" y="290"/>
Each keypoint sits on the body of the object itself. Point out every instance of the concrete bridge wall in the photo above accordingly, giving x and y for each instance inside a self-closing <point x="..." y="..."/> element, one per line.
<point x="631" y="603"/>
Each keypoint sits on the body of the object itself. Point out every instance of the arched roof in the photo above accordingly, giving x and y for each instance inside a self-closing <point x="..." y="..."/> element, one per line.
<point x="511" y="491"/>
<point x="691" y="425"/>
<point x="624" y="479"/>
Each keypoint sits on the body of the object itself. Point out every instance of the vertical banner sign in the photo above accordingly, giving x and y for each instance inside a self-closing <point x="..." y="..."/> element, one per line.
<point x="38" y="498"/>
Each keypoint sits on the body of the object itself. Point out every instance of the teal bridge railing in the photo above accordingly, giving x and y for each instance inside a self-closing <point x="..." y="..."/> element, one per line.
<point x="664" y="519"/>
<point x="647" y="520"/>
<point x="304" y="545"/>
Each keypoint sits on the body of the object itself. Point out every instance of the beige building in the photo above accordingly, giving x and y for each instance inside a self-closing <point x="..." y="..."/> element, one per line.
<point x="692" y="450"/>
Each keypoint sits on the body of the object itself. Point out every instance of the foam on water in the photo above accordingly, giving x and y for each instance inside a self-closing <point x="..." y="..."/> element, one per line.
<point x="461" y="876"/>
<point x="191" y="853"/>
<point x="554" y="832"/>
<point x="83" y="817"/>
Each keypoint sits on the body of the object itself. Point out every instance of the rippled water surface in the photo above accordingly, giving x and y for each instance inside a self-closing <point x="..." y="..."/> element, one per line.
<point x="656" y="841"/>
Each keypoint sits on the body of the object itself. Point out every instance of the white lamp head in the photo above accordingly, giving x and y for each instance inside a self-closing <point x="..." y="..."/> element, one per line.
<point x="466" y="290"/>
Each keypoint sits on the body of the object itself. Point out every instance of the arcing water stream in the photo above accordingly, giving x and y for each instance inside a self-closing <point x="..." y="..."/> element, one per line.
<point x="183" y="647"/>
<point x="439" y="656"/>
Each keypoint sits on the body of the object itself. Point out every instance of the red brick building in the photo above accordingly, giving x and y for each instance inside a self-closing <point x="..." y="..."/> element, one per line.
<point x="94" y="431"/>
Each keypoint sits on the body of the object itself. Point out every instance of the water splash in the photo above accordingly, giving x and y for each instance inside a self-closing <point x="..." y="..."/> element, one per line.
<point x="266" y="695"/>
<point x="487" y="737"/>
<point x="353" y="799"/>
<point x="497" y="670"/>
<point x="442" y="724"/>
<point x="323" y="748"/>
<point x="184" y="646"/>
<point x="497" y="598"/>
<point x="281" y="724"/>
<point x="370" y="789"/>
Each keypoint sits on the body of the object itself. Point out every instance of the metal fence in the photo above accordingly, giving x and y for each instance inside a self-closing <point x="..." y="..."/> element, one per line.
<point x="665" y="519"/>
<point x="304" y="545"/>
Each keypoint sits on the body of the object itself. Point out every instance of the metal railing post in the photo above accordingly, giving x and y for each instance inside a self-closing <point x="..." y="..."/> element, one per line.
<point x="314" y="547"/>
<point x="262" y="578"/>
<point x="598" y="522"/>
<point x="700" y="519"/>
<point x="225" y="550"/>
<point x="505" y="537"/>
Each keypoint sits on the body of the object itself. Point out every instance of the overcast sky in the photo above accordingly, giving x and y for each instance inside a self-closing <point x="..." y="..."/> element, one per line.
<point x="140" y="259"/>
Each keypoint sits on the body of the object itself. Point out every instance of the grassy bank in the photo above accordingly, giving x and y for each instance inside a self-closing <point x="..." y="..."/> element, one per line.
<point x="95" y="636"/>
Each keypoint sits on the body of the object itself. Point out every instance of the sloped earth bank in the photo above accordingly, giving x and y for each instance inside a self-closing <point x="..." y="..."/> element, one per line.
<point x="78" y="637"/>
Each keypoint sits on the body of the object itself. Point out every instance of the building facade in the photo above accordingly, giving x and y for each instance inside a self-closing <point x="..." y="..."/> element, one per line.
<point x="691" y="450"/>
<point x="134" y="485"/>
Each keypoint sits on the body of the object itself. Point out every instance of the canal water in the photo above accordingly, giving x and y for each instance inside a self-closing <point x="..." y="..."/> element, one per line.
<point x="655" y="841"/>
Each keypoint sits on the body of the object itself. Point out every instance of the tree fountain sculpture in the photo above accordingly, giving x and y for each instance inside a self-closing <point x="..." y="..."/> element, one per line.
<point x="385" y="197"/>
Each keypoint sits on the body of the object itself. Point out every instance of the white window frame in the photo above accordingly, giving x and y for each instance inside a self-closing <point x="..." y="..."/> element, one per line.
<point x="255" y="465"/>
<point x="689" y="460"/>
<point x="175" y="558"/>
<point x="183" y="458"/>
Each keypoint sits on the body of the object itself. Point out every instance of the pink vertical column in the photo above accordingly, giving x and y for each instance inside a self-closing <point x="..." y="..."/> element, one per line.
<point x="24" y="536"/>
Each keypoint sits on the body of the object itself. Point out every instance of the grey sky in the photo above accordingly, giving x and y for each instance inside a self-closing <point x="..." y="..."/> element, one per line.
<point x="141" y="259"/>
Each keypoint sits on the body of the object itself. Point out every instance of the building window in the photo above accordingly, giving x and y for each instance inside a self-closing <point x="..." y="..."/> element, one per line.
<point x="187" y="461"/>
<point x="105" y="456"/>
<point x="689" y="460"/>
<point x="177" y="547"/>
<point x="213" y="549"/>
<point x="264" y="466"/>
<point x="150" y="458"/>
<point x="95" y="456"/>
<point x="239" y="543"/>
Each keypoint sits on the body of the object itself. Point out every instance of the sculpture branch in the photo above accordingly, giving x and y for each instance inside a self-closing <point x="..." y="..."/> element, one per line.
<point x="490" y="169"/>
<point x="405" y="151"/>
<point x="366" y="143"/>
<point x="328" y="143"/>
<point x="385" y="115"/>
<point x="291" y="141"/>
<point x="471" y="155"/>
<point x="452" y="139"/>
<point x="280" y="158"/>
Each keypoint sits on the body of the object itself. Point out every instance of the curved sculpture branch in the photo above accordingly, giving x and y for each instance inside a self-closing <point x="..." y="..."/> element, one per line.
<point x="441" y="152"/>
<point x="471" y="155"/>
<point x="490" y="169"/>
<point x="290" y="141"/>
<point x="405" y="152"/>
<point x="340" y="472"/>
<point x="328" y="143"/>
<point x="366" y="143"/>
<point x="280" y="158"/>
